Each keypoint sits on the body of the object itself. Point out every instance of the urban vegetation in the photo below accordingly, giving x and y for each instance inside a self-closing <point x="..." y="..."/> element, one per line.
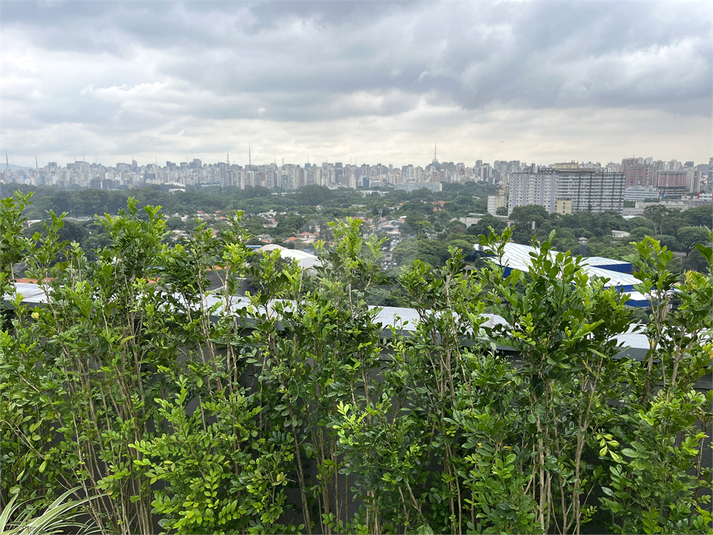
<point x="174" y="408"/>
<point x="427" y="222"/>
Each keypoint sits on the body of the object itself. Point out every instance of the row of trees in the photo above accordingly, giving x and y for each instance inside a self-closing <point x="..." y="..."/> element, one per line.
<point x="314" y="206"/>
<point x="251" y="200"/>
<point x="197" y="412"/>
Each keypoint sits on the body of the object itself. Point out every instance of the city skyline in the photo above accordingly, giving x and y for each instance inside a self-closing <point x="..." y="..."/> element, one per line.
<point x="671" y="177"/>
<point x="236" y="161"/>
<point x="359" y="81"/>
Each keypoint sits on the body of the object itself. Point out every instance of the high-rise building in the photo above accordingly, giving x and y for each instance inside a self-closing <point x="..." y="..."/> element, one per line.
<point x="495" y="202"/>
<point x="533" y="188"/>
<point x="585" y="189"/>
<point x="673" y="182"/>
<point x="639" y="172"/>
<point x="590" y="191"/>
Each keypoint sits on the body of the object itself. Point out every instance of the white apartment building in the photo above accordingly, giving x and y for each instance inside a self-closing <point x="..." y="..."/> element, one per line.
<point x="590" y="191"/>
<point x="587" y="190"/>
<point x="533" y="188"/>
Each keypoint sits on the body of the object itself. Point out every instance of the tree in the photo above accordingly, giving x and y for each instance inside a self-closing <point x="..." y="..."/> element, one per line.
<point x="405" y="251"/>
<point x="198" y="410"/>
<point x="289" y="225"/>
<point x="563" y="377"/>
<point x="467" y="247"/>
<point x="638" y="233"/>
<point x="255" y="225"/>
<point x="485" y="223"/>
<point x="656" y="213"/>
<point x="433" y="252"/>
<point x="314" y="195"/>
<point x="688" y="237"/>
<point x="523" y="216"/>
<point x="674" y="220"/>
<point x="668" y="241"/>
<point x="12" y="221"/>
<point x="700" y="216"/>
<point x="417" y="225"/>
<point x="636" y="222"/>
<point x="424" y="194"/>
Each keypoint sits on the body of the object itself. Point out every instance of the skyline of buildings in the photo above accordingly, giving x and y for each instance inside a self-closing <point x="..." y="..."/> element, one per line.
<point x="563" y="187"/>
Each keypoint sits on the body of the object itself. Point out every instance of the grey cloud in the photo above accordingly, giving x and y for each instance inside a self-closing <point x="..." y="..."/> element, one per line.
<point x="477" y="54"/>
<point x="324" y="61"/>
<point x="267" y="15"/>
<point x="528" y="62"/>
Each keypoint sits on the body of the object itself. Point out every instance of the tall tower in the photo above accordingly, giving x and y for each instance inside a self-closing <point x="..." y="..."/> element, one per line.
<point x="7" y="162"/>
<point x="435" y="159"/>
<point x="227" y="180"/>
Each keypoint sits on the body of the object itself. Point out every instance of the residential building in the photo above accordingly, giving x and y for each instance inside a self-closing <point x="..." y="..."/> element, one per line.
<point x="590" y="191"/>
<point x="495" y="202"/>
<point x="533" y="188"/>
<point x="673" y="182"/>
<point x="585" y="189"/>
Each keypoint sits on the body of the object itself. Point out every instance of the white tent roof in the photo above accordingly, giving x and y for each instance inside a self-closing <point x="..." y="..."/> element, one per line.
<point x="517" y="256"/>
<point x="601" y="261"/>
<point x="305" y="260"/>
<point x="403" y="319"/>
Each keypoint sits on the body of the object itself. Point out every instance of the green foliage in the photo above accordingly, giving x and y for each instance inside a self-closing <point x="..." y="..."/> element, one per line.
<point x="216" y="476"/>
<point x="656" y="213"/>
<point x="496" y="482"/>
<point x="651" y="487"/>
<point x="12" y="243"/>
<point x="562" y="326"/>
<point x="523" y="216"/>
<point x="292" y="410"/>
<point x="688" y="237"/>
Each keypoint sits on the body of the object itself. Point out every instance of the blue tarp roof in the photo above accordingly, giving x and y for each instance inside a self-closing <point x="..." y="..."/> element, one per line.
<point x="518" y="256"/>
<point x="608" y="263"/>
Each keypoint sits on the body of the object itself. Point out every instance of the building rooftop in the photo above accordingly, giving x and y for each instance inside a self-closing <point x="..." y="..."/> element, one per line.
<point x="518" y="256"/>
<point x="403" y="320"/>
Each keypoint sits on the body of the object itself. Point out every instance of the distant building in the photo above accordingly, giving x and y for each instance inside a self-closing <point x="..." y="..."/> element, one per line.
<point x="412" y="186"/>
<point x="303" y="259"/>
<point x="638" y="172"/>
<point x="470" y="221"/>
<point x="640" y="193"/>
<point x="590" y="191"/>
<point x="564" y="207"/>
<point x="533" y="188"/>
<point x="673" y="182"/>
<point x="585" y="189"/>
<point x="495" y="202"/>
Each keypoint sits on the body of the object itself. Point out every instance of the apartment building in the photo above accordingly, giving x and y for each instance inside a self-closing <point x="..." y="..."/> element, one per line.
<point x="586" y="190"/>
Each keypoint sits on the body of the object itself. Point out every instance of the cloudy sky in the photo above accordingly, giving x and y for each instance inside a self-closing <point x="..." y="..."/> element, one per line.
<point x="365" y="82"/>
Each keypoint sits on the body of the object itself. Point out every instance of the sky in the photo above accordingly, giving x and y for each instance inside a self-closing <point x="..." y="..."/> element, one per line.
<point x="360" y="82"/>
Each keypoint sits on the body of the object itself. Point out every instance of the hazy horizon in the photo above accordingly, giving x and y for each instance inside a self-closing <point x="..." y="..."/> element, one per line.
<point x="365" y="82"/>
